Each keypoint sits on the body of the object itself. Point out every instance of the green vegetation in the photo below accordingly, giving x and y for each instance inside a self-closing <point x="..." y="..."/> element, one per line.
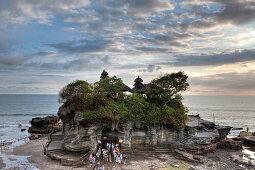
<point x="104" y="100"/>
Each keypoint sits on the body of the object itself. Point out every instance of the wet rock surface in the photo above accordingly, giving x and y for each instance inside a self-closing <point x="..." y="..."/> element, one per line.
<point x="44" y="125"/>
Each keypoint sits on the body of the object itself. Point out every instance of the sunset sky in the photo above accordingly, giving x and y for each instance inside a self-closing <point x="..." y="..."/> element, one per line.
<point x="45" y="44"/>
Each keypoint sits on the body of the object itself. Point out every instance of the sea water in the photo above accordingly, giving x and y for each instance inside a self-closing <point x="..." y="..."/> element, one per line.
<point x="20" y="109"/>
<point x="235" y="111"/>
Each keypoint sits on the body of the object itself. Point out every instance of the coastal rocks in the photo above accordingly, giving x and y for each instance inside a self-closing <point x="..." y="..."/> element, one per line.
<point x="231" y="143"/>
<point x="81" y="135"/>
<point x="248" y="138"/>
<point x="202" y="132"/>
<point x="203" y="137"/>
<point x="44" y="125"/>
<point x="34" y="136"/>
<point x="240" y="160"/>
<point x="23" y="129"/>
<point x="182" y="154"/>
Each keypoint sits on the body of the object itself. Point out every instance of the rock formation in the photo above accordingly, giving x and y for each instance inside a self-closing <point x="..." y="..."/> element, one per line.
<point x="80" y="135"/>
<point x="44" y="125"/>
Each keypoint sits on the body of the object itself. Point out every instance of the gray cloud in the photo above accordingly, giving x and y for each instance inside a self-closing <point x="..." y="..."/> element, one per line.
<point x="236" y="11"/>
<point x="23" y="11"/>
<point x="239" y="81"/>
<point x="83" y="46"/>
<point x="11" y="60"/>
<point x="214" y="59"/>
<point x="88" y="63"/>
<point x="150" y="68"/>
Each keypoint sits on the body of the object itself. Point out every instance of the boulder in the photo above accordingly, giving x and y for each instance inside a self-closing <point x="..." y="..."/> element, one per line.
<point x="34" y="136"/>
<point x="231" y="143"/>
<point x="44" y="125"/>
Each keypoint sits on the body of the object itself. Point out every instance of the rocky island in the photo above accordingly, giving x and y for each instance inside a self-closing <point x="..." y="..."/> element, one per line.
<point x="149" y="118"/>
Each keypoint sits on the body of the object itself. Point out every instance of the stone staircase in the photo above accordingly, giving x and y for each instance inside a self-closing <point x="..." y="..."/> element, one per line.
<point x="57" y="136"/>
<point x="185" y="139"/>
<point x="163" y="148"/>
<point x="56" y="141"/>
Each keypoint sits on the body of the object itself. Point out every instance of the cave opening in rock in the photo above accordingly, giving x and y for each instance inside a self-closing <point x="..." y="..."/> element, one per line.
<point x="109" y="136"/>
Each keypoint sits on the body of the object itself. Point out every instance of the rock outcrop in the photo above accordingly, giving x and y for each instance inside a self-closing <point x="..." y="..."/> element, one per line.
<point x="80" y="136"/>
<point x="202" y="137"/>
<point x="44" y="125"/>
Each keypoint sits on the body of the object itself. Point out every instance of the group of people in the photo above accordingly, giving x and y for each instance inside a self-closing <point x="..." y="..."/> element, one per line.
<point x="110" y="154"/>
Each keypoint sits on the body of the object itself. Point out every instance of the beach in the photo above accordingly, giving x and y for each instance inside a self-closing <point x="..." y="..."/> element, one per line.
<point x="36" y="159"/>
<point x="221" y="159"/>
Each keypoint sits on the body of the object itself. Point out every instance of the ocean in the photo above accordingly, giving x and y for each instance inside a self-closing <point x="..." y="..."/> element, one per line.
<point x="235" y="111"/>
<point x="20" y="109"/>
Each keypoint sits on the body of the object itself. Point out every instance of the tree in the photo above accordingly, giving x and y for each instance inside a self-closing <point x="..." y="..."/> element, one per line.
<point x="162" y="90"/>
<point x="78" y="94"/>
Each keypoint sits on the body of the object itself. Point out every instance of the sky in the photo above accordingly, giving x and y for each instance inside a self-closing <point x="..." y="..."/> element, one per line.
<point x="47" y="44"/>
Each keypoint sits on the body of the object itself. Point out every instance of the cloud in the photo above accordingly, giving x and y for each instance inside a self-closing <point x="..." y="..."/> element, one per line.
<point x="233" y="80"/>
<point x="11" y="60"/>
<point x="229" y="11"/>
<point x="214" y="59"/>
<point x="23" y="11"/>
<point x="83" y="46"/>
<point x="88" y="63"/>
<point x="236" y="11"/>
<point x="124" y="36"/>
<point x="150" y="68"/>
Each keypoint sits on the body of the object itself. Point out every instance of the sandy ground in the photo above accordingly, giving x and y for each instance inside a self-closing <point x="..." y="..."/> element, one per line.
<point x="218" y="160"/>
<point x="40" y="161"/>
<point x="2" y="165"/>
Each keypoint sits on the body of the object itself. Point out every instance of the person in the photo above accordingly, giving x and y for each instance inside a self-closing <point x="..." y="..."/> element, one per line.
<point x="121" y="157"/>
<point x="98" y="157"/>
<point x="124" y="159"/>
<point x="116" y="159"/>
<point x="119" y="160"/>
<point x="247" y="129"/>
<point x="110" y="157"/>
<point x="106" y="156"/>
<point x="93" y="162"/>
<point x="114" y="154"/>
<point x="90" y="160"/>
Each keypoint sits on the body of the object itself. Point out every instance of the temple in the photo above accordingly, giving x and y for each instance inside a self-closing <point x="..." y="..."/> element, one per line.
<point x="79" y="136"/>
<point x="104" y="74"/>
<point x="138" y="86"/>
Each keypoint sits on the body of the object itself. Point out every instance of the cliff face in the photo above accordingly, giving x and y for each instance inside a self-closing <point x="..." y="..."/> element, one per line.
<point x="81" y="135"/>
